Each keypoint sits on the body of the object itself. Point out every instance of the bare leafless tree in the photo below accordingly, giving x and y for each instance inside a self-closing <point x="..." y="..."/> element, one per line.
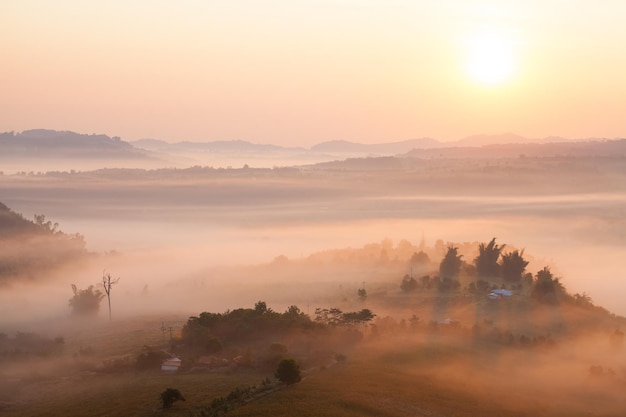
<point x="107" y="283"/>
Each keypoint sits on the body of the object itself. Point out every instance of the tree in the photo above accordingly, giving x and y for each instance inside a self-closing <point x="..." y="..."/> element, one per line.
<point x="150" y="359"/>
<point x="293" y="311"/>
<point x="546" y="287"/>
<point x="583" y="300"/>
<point x="448" y="284"/>
<point x="513" y="265"/>
<point x="409" y="284"/>
<point x="358" y="317"/>
<point x="487" y="260"/>
<point x="450" y="265"/>
<point x="362" y="293"/>
<point x="108" y="283"/>
<point x="47" y="225"/>
<point x="288" y="372"/>
<point x="336" y="317"/>
<point x="86" y="302"/>
<point x="170" y="396"/>
<point x="331" y="317"/>
<point x="420" y="258"/>
<point x="261" y="307"/>
<point x="213" y="344"/>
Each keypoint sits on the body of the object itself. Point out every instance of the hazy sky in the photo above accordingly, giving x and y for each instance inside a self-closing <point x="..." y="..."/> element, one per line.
<point x="300" y="72"/>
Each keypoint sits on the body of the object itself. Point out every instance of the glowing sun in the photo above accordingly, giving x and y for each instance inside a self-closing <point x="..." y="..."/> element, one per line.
<point x="490" y="59"/>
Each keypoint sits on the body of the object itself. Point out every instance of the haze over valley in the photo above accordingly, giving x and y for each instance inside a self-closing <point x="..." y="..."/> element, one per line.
<point x="203" y="238"/>
<point x="336" y="208"/>
<point x="561" y="200"/>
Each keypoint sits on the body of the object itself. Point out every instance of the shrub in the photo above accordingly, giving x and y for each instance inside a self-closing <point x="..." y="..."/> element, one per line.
<point x="85" y="302"/>
<point x="170" y="396"/>
<point x="408" y="284"/>
<point x="150" y="359"/>
<point x="288" y="372"/>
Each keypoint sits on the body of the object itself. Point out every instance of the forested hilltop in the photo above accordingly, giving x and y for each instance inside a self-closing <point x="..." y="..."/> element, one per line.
<point x="43" y="143"/>
<point x="30" y="247"/>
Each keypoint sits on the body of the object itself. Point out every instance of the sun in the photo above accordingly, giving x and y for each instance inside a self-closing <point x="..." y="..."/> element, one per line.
<point x="490" y="59"/>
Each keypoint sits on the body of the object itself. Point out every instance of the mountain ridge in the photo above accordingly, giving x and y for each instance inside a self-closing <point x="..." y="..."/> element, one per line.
<point x="43" y="143"/>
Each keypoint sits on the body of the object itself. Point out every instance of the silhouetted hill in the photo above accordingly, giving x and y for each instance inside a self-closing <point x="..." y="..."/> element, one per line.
<point x="597" y="148"/>
<point x="28" y="248"/>
<point x="241" y="146"/>
<point x="12" y="223"/>
<point x="502" y="139"/>
<point x="221" y="146"/>
<point x="392" y="148"/>
<point x="42" y="143"/>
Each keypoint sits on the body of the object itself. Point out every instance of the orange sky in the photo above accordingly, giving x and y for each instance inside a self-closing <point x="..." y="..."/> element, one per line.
<point x="298" y="73"/>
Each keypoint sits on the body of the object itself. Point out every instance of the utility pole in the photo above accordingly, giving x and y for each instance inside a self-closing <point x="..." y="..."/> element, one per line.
<point x="163" y="329"/>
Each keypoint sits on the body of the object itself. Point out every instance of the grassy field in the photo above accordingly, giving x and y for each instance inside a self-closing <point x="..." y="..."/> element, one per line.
<point x="405" y="382"/>
<point x="430" y="371"/>
<point x="122" y="394"/>
<point x="75" y="385"/>
<point x="429" y="376"/>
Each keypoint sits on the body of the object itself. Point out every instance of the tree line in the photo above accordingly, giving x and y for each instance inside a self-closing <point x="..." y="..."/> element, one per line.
<point x="492" y="264"/>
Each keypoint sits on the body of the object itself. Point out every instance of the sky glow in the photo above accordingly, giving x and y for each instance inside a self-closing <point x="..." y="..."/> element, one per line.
<point x="298" y="73"/>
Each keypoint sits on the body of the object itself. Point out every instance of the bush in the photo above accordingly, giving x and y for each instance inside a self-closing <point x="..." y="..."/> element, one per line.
<point x="340" y="357"/>
<point x="170" y="396"/>
<point x="288" y="372"/>
<point x="150" y="359"/>
<point x="408" y="284"/>
<point x="85" y="302"/>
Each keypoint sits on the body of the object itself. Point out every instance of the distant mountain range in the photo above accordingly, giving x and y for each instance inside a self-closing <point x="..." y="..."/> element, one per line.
<point x="588" y="148"/>
<point x="334" y="146"/>
<point x="215" y="146"/>
<point x="391" y="148"/>
<point x="344" y="147"/>
<point x="42" y="143"/>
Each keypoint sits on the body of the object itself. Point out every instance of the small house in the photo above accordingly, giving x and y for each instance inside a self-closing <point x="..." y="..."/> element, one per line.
<point x="448" y="321"/>
<point x="496" y="294"/>
<point x="171" y="365"/>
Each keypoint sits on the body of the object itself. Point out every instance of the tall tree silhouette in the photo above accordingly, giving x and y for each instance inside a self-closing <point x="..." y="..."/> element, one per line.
<point x="547" y="288"/>
<point x="513" y="265"/>
<point x="450" y="265"/>
<point x="107" y="283"/>
<point x="487" y="260"/>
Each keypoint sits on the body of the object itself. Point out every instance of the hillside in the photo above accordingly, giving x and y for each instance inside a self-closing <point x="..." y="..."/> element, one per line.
<point x="42" y="143"/>
<point x="12" y="223"/>
<point x="423" y="346"/>
<point x="222" y="146"/>
<point x="390" y="148"/>
<point x="580" y="149"/>
<point x="32" y="248"/>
